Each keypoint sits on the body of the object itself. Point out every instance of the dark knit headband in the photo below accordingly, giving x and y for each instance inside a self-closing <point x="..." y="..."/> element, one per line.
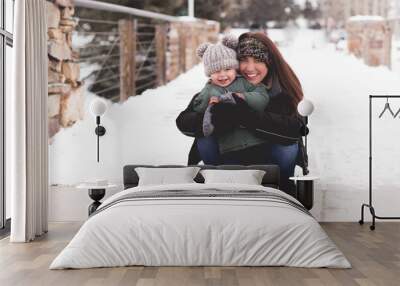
<point x="251" y="47"/>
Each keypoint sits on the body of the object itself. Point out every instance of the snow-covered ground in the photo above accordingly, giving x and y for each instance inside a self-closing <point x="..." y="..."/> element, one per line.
<point x="339" y="85"/>
<point x="142" y="130"/>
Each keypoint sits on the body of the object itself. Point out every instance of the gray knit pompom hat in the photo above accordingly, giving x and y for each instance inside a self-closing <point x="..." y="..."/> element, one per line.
<point x="219" y="56"/>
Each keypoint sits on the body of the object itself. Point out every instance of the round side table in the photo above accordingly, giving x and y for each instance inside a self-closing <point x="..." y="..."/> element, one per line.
<point x="305" y="190"/>
<point x="96" y="193"/>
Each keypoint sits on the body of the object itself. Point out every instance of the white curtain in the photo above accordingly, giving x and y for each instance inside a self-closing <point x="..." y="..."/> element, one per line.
<point x="26" y="123"/>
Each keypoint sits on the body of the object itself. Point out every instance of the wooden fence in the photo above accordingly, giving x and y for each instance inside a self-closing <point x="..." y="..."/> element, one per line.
<point x="175" y="51"/>
<point x="174" y="45"/>
<point x="149" y="55"/>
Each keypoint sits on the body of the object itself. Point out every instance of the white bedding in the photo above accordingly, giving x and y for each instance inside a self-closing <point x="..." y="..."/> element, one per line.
<point x="200" y="231"/>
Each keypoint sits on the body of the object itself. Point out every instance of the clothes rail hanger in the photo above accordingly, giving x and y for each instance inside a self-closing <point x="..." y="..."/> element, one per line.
<point x="369" y="205"/>
<point x="397" y="113"/>
<point x="387" y="107"/>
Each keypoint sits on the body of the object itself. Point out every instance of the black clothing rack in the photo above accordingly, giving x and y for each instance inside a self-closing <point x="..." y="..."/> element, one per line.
<point x="369" y="205"/>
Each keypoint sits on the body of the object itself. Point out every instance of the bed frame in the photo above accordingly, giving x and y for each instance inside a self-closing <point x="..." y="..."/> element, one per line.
<point x="270" y="179"/>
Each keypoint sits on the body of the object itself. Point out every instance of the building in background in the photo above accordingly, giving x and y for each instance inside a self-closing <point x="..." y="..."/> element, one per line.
<point x="367" y="7"/>
<point x="337" y="12"/>
<point x="333" y="14"/>
<point x="394" y="17"/>
<point x="366" y="26"/>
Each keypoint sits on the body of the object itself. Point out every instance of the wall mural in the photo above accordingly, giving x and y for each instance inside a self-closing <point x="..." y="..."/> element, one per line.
<point x="147" y="71"/>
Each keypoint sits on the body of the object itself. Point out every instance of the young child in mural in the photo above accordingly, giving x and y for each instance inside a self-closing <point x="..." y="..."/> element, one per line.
<point x="220" y="64"/>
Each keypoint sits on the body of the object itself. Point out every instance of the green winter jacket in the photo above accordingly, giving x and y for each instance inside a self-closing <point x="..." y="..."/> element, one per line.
<point x="256" y="97"/>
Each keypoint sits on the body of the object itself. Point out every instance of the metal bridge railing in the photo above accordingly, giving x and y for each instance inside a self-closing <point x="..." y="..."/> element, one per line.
<point x="132" y="49"/>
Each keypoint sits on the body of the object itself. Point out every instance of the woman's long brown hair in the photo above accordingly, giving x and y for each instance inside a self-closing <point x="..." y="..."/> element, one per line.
<point x="279" y="67"/>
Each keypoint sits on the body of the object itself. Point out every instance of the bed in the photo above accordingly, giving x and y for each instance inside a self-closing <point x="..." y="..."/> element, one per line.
<point x="201" y="224"/>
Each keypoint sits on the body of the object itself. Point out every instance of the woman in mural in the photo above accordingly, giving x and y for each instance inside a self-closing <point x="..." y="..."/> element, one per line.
<point x="279" y="125"/>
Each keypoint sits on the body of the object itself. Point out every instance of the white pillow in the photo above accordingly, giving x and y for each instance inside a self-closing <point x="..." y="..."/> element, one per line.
<point x="248" y="177"/>
<point x="165" y="176"/>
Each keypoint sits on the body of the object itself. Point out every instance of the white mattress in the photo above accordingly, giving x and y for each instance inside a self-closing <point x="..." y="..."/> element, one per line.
<point x="200" y="231"/>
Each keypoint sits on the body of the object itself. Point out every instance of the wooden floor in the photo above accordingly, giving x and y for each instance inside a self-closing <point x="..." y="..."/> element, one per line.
<point x="374" y="255"/>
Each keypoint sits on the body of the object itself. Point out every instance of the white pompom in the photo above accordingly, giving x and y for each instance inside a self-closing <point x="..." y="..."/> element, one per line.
<point x="305" y="107"/>
<point x="202" y="49"/>
<point x="230" y="41"/>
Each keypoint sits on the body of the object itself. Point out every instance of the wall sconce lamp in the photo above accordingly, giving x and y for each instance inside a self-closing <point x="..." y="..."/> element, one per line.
<point x="97" y="108"/>
<point x="305" y="108"/>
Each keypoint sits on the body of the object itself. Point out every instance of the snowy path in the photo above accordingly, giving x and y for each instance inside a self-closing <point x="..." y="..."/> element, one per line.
<point x="142" y="130"/>
<point x="339" y="85"/>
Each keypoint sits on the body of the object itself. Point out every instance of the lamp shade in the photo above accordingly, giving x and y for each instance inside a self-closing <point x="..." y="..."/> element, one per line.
<point x="98" y="107"/>
<point x="305" y="107"/>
